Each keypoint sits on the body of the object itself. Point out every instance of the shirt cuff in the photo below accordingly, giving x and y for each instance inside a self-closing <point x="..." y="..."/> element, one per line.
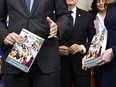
<point x="84" y="49"/>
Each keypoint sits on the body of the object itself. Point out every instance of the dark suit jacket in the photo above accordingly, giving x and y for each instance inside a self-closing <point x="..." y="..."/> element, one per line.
<point x="109" y="69"/>
<point x="19" y="17"/>
<point x="81" y="33"/>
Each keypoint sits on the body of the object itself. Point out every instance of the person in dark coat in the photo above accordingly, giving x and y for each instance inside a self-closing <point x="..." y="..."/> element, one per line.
<point x="74" y="45"/>
<point x="37" y="16"/>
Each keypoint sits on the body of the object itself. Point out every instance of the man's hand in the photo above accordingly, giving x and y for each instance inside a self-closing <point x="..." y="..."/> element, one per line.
<point x="75" y="48"/>
<point x="53" y="28"/>
<point x="63" y="50"/>
<point x="12" y="38"/>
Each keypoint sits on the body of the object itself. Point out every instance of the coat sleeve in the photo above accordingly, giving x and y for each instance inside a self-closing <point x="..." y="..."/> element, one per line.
<point x="3" y="25"/>
<point x="62" y="16"/>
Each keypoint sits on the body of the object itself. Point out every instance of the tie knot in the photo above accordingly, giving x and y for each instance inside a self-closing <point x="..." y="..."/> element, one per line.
<point x="70" y="12"/>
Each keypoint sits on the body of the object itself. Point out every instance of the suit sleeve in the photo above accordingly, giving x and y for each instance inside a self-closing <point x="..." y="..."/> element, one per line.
<point x="3" y="25"/>
<point x="91" y="32"/>
<point x="62" y="16"/>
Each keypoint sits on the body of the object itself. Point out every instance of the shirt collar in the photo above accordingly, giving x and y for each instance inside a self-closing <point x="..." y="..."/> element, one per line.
<point x="74" y="10"/>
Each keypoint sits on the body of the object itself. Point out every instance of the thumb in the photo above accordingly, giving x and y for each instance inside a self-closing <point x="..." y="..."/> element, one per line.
<point x="49" y="20"/>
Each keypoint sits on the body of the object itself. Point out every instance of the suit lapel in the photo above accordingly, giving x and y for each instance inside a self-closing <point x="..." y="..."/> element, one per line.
<point x="77" y="20"/>
<point x="25" y="7"/>
<point x="35" y="4"/>
<point x="78" y="16"/>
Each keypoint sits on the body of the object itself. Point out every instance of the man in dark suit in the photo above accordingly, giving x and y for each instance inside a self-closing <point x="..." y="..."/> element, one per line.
<point x="73" y="47"/>
<point x="36" y="17"/>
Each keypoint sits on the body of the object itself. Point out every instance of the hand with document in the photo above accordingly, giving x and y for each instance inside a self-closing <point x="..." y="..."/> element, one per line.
<point x="97" y="47"/>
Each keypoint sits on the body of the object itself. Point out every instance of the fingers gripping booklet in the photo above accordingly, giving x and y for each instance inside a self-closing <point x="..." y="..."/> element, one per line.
<point x="23" y="55"/>
<point x="98" y="44"/>
<point x="96" y="49"/>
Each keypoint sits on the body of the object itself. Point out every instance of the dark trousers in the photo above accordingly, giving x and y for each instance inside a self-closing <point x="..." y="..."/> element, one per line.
<point x="35" y="78"/>
<point x="78" y="81"/>
<point x="68" y="76"/>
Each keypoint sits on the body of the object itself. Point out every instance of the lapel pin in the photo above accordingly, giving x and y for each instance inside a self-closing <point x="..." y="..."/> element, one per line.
<point x="79" y="15"/>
